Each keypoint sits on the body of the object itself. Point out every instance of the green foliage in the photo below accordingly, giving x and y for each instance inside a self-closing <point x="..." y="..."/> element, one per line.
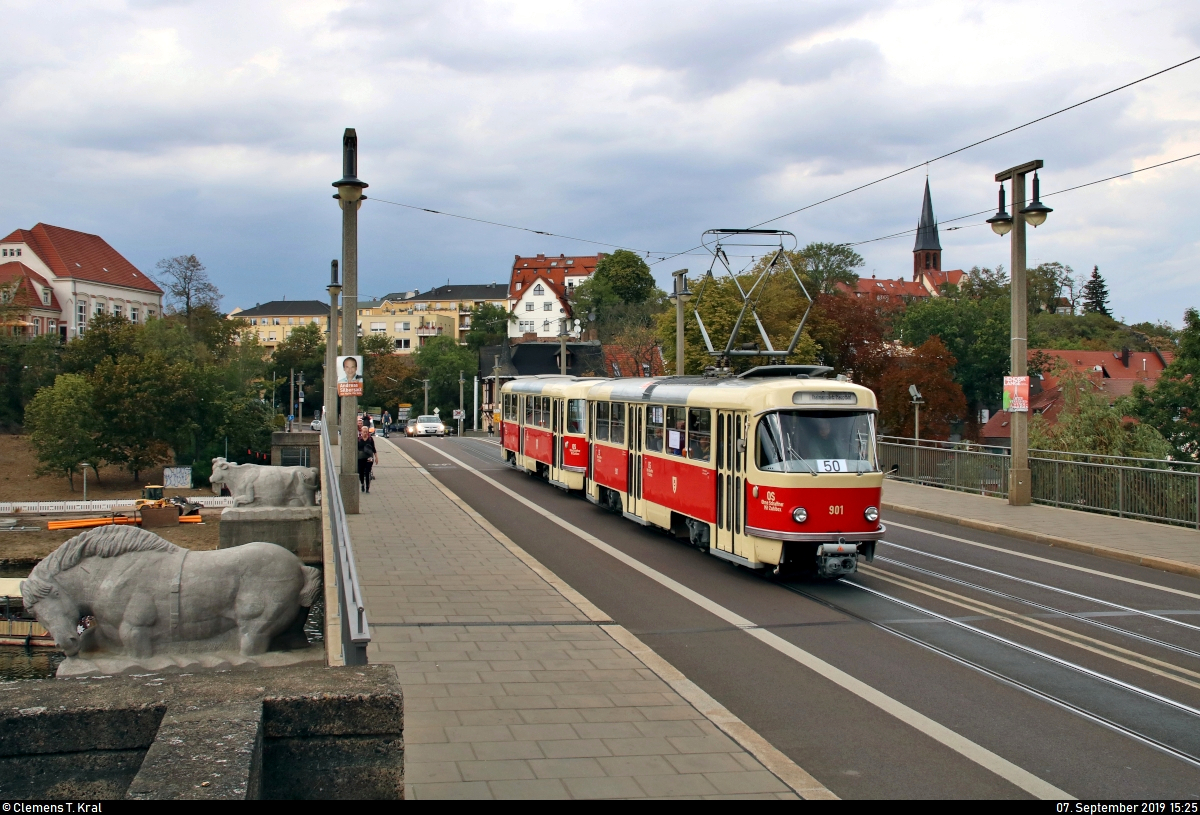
<point x="627" y="275"/>
<point x="440" y="361"/>
<point x="780" y="307"/>
<point x="975" y="330"/>
<point x="1095" y="294"/>
<point x="614" y="316"/>
<point x="302" y="351"/>
<point x="1085" y="332"/>
<point x="929" y="367"/>
<point x="1044" y="284"/>
<point x="63" y="427"/>
<point x="25" y="366"/>
<point x="489" y="326"/>
<point x="106" y="338"/>
<point x="1172" y="406"/>
<point x="1087" y="424"/>
<point x="827" y="264"/>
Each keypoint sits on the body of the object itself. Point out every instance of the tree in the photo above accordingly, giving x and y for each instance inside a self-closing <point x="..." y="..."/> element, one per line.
<point x="1088" y="424"/>
<point x="1172" y="406"/>
<point x="1044" y="285"/>
<point x="440" y="360"/>
<point x="827" y="264"/>
<point x="929" y="367"/>
<point x="186" y="283"/>
<point x="63" y="427"/>
<point x="106" y="338"/>
<point x="1095" y="294"/>
<point x="627" y="275"/>
<point x="852" y="333"/>
<point x="302" y="351"/>
<point x="489" y="326"/>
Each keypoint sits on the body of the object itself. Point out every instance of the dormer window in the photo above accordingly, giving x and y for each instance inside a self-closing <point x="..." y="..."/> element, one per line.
<point x="518" y="285"/>
<point x="45" y="297"/>
<point x="570" y="263"/>
<point x="539" y="289"/>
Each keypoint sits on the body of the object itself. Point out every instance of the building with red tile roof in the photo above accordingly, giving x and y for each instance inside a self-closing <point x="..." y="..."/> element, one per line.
<point x="539" y="291"/>
<point x="86" y="274"/>
<point x="37" y="310"/>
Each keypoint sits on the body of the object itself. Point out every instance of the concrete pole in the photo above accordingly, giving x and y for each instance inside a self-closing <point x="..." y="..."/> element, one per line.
<point x="331" y="344"/>
<point x="350" y="198"/>
<point x="426" y="381"/>
<point x="461" y="381"/>
<point x="917" y="421"/>
<point x="475" y="409"/>
<point x="1019" y="487"/>
<point x="562" y="347"/>
<point x="291" y="398"/>
<point x="680" y="293"/>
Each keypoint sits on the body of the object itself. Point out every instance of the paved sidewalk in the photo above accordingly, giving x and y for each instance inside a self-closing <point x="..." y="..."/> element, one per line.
<point x="1159" y="546"/>
<point x="515" y="685"/>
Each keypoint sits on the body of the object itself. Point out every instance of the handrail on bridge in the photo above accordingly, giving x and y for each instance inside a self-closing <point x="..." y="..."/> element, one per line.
<point x="356" y="635"/>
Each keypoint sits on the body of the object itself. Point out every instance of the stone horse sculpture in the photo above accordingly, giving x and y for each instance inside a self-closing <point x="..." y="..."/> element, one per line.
<point x="262" y="486"/>
<point x="148" y="596"/>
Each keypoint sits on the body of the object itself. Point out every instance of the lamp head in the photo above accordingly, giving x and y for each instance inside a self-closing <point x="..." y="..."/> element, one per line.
<point x="1035" y="214"/>
<point x="1001" y="222"/>
<point x="349" y="188"/>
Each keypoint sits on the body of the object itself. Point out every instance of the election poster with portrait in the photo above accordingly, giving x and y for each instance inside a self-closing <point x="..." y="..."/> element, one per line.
<point x="350" y="381"/>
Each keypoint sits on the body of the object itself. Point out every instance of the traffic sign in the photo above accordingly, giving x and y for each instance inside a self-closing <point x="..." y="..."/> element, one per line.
<point x="460" y="414"/>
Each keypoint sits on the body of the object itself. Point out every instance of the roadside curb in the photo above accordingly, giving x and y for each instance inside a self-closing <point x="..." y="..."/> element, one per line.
<point x="1159" y="563"/>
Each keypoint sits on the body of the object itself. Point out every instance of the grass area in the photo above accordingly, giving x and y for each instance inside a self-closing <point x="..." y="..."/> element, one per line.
<point x="19" y="480"/>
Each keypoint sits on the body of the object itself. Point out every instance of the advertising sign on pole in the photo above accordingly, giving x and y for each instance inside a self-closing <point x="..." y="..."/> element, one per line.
<point x="350" y="381"/>
<point x="1016" y="394"/>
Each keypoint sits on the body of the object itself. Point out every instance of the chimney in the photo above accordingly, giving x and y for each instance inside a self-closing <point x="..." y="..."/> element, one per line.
<point x="1125" y="357"/>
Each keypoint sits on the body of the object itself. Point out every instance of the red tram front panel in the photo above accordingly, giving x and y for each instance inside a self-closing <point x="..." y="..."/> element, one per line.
<point x="680" y="486"/>
<point x="836" y="511"/>
<point x="575" y="453"/>
<point x="539" y="444"/>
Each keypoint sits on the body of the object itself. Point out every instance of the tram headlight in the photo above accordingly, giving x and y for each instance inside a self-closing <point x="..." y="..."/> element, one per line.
<point x="871" y="514"/>
<point x="799" y="515"/>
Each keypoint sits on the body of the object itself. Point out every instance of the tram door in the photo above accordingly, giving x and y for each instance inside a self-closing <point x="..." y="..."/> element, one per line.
<point x="557" y="425"/>
<point x="731" y="469"/>
<point x="633" y="433"/>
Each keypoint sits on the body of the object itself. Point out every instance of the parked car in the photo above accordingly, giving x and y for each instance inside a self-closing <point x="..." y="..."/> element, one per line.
<point x="430" y="426"/>
<point x="410" y="427"/>
<point x="315" y="424"/>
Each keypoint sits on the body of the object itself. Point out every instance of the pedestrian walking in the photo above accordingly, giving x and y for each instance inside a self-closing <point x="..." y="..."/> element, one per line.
<point x="366" y="458"/>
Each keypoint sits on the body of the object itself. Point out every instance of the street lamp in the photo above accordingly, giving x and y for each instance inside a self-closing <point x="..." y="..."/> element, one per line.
<point x="917" y="401"/>
<point x="679" y="297"/>
<point x="349" y="197"/>
<point x="1034" y="213"/>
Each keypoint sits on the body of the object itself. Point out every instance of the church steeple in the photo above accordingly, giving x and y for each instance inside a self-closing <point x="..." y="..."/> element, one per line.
<point x="927" y="252"/>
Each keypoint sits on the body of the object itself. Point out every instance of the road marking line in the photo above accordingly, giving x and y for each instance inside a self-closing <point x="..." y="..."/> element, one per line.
<point x="1092" y="644"/>
<point x="892" y="523"/>
<point x="771" y="758"/>
<point x="985" y="758"/>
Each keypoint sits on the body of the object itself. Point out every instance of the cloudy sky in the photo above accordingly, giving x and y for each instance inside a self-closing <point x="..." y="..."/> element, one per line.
<point x="214" y="128"/>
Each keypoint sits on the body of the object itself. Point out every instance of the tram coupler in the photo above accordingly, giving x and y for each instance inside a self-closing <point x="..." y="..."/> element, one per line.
<point x="836" y="559"/>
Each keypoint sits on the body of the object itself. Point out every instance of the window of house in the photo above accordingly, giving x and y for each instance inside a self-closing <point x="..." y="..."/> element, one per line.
<point x="45" y="297"/>
<point x="18" y="253"/>
<point x="545" y="326"/>
<point x="99" y="308"/>
<point x="116" y="310"/>
<point x="403" y="344"/>
<point x="645" y="369"/>
<point x="291" y="320"/>
<point x="133" y="314"/>
<point x="5" y="253"/>
<point x="570" y="263"/>
<point x="149" y="314"/>
<point x="271" y="337"/>
<point x="529" y="306"/>
<point x="616" y="369"/>
<point x="518" y="285"/>
<point x="527" y="326"/>
<point x="52" y="325"/>
<point x="539" y="289"/>
<point x="547" y="306"/>
<point x="37" y="324"/>
<point x="80" y="314"/>
<point x="378" y="328"/>
<point x="275" y="321"/>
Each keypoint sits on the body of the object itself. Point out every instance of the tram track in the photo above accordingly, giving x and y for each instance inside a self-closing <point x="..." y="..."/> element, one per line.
<point x="1010" y="681"/>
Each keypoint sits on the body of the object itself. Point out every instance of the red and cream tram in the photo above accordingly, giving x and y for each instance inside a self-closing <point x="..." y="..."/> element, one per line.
<point x="775" y="468"/>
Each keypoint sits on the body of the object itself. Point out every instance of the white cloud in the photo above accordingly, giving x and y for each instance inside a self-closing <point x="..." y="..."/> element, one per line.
<point x="214" y="128"/>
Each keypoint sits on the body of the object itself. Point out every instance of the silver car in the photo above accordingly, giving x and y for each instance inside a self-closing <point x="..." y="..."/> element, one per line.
<point x="429" y="426"/>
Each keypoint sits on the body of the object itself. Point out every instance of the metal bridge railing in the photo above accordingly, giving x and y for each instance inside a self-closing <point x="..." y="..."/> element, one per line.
<point x="356" y="635"/>
<point x="1148" y="489"/>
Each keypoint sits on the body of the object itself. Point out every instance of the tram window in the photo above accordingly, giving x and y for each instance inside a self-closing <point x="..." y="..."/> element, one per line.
<point x="529" y="402"/>
<point x="816" y="441"/>
<point x="699" y="434"/>
<point x="545" y="411"/>
<point x="616" y="433"/>
<point x="511" y="413"/>
<point x="655" y="415"/>
<point x="575" y="415"/>
<point x="601" y="429"/>
<point x="676" y="430"/>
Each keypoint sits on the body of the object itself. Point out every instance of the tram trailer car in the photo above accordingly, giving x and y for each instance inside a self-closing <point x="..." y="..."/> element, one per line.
<point x="773" y="469"/>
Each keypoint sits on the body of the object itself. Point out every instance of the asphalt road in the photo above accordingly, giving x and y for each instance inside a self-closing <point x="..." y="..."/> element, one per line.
<point x="958" y="665"/>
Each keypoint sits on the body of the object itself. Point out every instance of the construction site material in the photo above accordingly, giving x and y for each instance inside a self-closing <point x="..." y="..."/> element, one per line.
<point x="88" y="523"/>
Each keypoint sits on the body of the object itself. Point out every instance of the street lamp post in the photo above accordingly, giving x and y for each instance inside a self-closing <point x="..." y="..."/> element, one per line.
<point x="335" y="289"/>
<point x="917" y="401"/>
<point x="460" y="403"/>
<point x="679" y="296"/>
<point x="1019" y="484"/>
<point x="349" y="197"/>
<point x="426" y="381"/>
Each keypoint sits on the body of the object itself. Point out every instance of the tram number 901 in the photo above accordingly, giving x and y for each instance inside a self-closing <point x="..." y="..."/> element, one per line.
<point x="835" y="509"/>
<point x="832" y="465"/>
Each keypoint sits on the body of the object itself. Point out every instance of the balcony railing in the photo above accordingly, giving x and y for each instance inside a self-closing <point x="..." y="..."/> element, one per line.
<point x="1149" y="489"/>
<point x="430" y="330"/>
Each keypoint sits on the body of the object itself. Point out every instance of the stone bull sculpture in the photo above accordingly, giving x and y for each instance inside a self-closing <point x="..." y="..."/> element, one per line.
<point x="262" y="486"/>
<point x="148" y="596"/>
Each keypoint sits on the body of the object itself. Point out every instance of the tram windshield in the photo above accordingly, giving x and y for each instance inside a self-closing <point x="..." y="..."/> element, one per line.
<point x="816" y="441"/>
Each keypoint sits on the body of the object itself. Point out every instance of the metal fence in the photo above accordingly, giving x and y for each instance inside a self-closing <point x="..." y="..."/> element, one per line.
<point x="1148" y="489"/>
<point x="356" y="635"/>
